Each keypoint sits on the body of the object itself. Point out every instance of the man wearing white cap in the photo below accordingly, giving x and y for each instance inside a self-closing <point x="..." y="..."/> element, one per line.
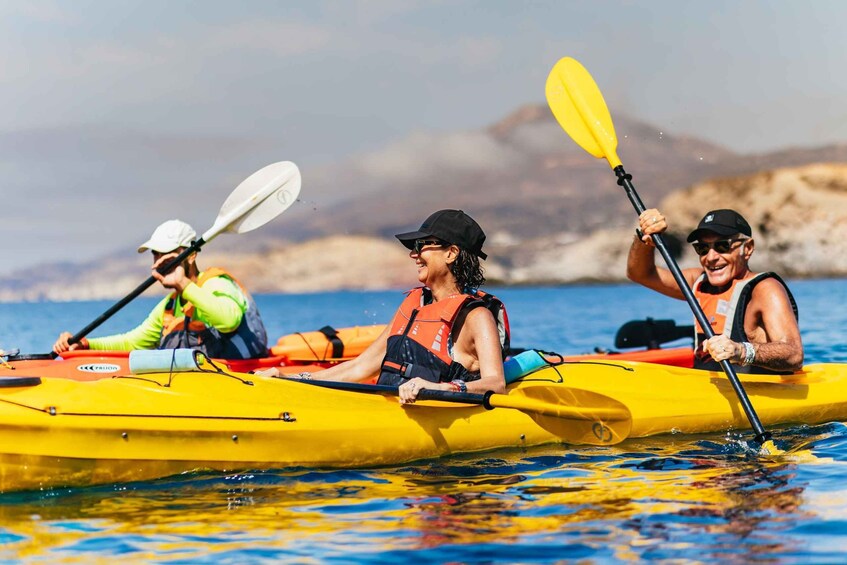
<point x="208" y="311"/>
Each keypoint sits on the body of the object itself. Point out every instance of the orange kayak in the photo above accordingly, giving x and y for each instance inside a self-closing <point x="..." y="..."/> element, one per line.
<point x="329" y="345"/>
<point x="90" y="365"/>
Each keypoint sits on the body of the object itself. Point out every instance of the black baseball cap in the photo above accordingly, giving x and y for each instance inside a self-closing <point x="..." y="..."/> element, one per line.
<point x="452" y="226"/>
<point x="721" y="222"/>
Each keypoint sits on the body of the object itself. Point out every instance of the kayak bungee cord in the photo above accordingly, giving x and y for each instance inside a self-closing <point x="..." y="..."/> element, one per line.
<point x="555" y="367"/>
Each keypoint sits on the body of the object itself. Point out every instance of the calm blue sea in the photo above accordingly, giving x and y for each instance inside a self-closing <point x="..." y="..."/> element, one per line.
<point x="673" y="499"/>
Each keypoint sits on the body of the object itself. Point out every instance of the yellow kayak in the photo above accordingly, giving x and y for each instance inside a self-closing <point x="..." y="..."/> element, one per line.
<point x="60" y="432"/>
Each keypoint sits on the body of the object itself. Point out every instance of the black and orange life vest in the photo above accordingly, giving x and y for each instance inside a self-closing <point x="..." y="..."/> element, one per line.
<point x="421" y="336"/>
<point x="248" y="341"/>
<point x="725" y="312"/>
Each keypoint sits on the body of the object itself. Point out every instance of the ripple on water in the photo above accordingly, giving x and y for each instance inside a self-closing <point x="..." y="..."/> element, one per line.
<point x="678" y="498"/>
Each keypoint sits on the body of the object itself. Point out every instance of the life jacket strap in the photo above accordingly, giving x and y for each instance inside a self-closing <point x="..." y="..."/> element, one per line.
<point x="399" y="368"/>
<point x="410" y="371"/>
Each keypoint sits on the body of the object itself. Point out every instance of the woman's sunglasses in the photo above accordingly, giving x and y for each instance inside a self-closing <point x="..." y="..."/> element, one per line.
<point x="720" y="246"/>
<point x="421" y="243"/>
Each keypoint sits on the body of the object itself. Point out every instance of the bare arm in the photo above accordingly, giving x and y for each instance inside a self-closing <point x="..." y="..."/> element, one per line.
<point x="777" y="342"/>
<point x="366" y="365"/>
<point x="481" y="328"/>
<point x="776" y="339"/>
<point x="641" y="262"/>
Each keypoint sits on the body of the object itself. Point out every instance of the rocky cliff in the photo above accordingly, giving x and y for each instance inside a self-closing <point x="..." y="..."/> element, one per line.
<point x="798" y="216"/>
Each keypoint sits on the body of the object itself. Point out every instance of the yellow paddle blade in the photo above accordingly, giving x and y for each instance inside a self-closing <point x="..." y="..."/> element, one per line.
<point x="580" y="109"/>
<point x="770" y="448"/>
<point x="579" y="417"/>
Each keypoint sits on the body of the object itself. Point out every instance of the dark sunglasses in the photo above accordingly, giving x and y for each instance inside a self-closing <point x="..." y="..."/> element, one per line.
<point x="720" y="246"/>
<point x="419" y="244"/>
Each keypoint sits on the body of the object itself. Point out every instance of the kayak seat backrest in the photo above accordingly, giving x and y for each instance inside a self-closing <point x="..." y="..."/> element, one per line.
<point x="523" y="364"/>
<point x="650" y="333"/>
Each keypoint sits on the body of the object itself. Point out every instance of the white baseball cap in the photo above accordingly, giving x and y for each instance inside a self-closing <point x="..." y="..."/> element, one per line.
<point x="169" y="236"/>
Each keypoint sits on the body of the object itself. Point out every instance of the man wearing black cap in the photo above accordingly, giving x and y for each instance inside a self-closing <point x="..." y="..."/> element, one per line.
<point x="753" y="315"/>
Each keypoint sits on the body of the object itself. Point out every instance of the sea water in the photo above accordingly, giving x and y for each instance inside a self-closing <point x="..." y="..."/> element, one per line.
<point x="674" y="498"/>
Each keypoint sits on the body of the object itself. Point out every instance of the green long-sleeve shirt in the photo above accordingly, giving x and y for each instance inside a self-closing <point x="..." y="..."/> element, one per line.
<point x="218" y="303"/>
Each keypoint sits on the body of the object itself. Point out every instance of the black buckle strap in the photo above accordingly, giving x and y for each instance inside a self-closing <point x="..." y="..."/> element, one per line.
<point x="331" y="335"/>
<point x="398" y="368"/>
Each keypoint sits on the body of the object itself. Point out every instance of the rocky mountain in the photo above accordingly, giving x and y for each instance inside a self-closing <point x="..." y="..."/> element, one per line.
<point x="553" y="214"/>
<point x="798" y="216"/>
<point x="521" y="178"/>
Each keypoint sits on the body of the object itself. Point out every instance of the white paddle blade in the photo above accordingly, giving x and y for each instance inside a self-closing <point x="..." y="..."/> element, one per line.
<point x="260" y="198"/>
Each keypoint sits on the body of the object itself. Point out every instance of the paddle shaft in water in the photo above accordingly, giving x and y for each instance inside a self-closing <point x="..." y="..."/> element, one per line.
<point x="625" y="181"/>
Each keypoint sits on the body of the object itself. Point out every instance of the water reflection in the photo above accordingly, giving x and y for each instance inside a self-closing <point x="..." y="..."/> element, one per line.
<point x="653" y="499"/>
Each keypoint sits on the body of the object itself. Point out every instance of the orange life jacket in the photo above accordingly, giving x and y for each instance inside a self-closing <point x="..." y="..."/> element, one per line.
<point x="420" y="340"/>
<point x="725" y="312"/>
<point x="248" y="341"/>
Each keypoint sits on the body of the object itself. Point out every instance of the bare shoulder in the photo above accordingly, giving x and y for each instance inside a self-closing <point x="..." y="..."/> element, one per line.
<point x="769" y="290"/>
<point x="479" y="317"/>
<point x="479" y="323"/>
<point x="770" y="298"/>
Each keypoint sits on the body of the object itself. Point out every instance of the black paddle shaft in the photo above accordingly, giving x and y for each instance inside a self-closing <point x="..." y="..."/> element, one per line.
<point x="625" y="181"/>
<point x="164" y="269"/>
<point x="423" y="394"/>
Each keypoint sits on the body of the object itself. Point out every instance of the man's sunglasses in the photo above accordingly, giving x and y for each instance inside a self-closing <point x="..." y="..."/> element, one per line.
<point x="720" y="246"/>
<point x="419" y="244"/>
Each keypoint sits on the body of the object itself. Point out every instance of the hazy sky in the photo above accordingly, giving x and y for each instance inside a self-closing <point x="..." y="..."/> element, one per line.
<point x="121" y="114"/>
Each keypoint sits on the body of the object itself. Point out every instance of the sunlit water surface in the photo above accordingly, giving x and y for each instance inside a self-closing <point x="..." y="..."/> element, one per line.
<point x="673" y="498"/>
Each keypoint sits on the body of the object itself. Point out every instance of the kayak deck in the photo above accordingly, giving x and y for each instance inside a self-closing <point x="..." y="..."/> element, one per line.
<point x="664" y="399"/>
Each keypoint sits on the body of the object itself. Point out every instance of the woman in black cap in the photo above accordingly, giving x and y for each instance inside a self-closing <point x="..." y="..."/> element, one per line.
<point x="447" y="334"/>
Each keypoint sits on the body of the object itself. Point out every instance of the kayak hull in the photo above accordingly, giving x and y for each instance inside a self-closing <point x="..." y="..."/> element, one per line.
<point x="62" y="432"/>
<point x="68" y="433"/>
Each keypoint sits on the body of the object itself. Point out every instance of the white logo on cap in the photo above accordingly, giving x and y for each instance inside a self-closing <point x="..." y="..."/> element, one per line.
<point x="708" y="218"/>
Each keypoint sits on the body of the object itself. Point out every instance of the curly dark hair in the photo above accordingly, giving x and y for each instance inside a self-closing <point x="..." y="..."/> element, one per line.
<point x="468" y="272"/>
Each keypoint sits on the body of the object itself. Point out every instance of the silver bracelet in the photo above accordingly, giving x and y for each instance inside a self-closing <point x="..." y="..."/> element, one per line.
<point x="461" y="385"/>
<point x="305" y="376"/>
<point x="749" y="354"/>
